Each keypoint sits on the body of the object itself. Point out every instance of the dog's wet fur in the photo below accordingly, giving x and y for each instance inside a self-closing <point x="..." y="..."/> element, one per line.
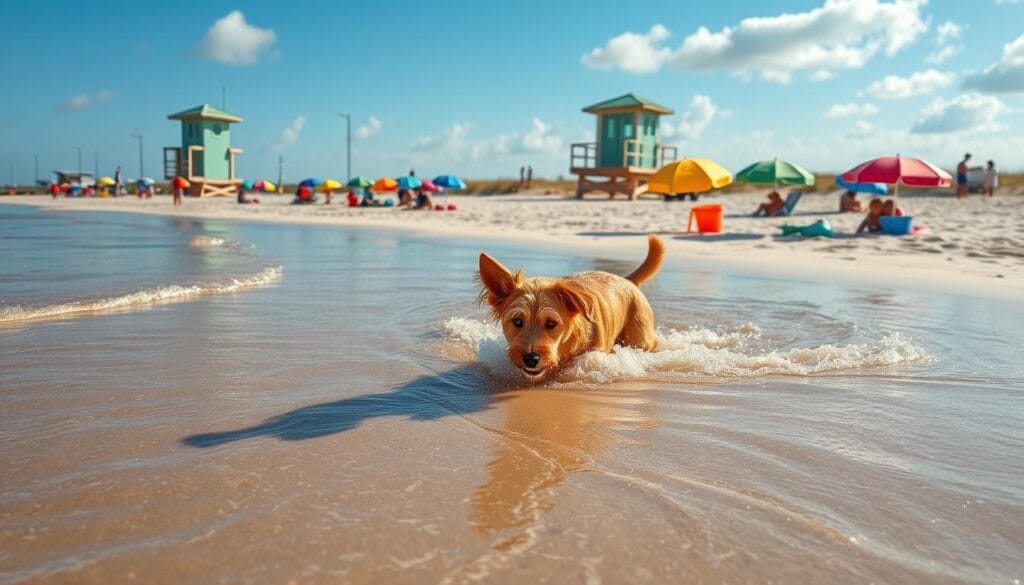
<point x="548" y="321"/>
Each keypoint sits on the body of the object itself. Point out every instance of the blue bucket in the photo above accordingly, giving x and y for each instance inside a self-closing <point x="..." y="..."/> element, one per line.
<point x="896" y="226"/>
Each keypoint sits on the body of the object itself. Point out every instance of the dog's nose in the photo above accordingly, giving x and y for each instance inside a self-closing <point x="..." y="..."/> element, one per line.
<point x="531" y="360"/>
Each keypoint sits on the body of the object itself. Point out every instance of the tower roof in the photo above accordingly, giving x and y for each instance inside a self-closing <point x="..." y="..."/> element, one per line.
<point x="205" y="112"/>
<point x="627" y="102"/>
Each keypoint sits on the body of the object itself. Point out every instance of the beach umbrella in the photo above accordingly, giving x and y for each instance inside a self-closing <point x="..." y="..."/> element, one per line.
<point x="264" y="185"/>
<point x="147" y="181"/>
<point x="180" y="183"/>
<point x="898" y="170"/>
<point x="310" y="182"/>
<point x="105" y="181"/>
<point x="406" y="183"/>
<point x="360" y="182"/>
<point x="330" y="185"/>
<point x="690" y="175"/>
<point x="247" y="185"/>
<point x="449" y="182"/>
<point x="63" y="187"/>
<point x="869" y="188"/>
<point x="429" y="186"/>
<point x="385" y="184"/>
<point x="775" y="172"/>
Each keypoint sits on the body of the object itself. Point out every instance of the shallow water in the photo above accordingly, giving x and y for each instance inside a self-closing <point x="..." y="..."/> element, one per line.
<point x="344" y="415"/>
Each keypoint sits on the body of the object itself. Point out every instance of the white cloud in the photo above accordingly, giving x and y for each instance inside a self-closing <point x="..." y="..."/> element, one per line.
<point x="234" y="41"/>
<point x="971" y="111"/>
<point x="943" y="54"/>
<point x="289" y="136"/>
<point x="861" y="130"/>
<point x="693" y="122"/>
<point x="84" y="101"/>
<point x="841" y="34"/>
<point x="944" y="33"/>
<point x="1009" y="1"/>
<point x="367" y="130"/>
<point x="821" y="75"/>
<point x="1006" y="76"/>
<point x="632" y="52"/>
<point x="456" y="143"/>
<point x="850" y="110"/>
<point x="894" y="87"/>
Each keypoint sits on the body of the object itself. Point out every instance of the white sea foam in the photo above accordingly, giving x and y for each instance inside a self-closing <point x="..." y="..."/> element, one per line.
<point x="203" y="241"/>
<point x="171" y="293"/>
<point x="695" y="354"/>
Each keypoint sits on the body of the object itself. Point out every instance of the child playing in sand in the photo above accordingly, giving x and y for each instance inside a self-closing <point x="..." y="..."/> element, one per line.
<point x="889" y="209"/>
<point x="871" y="222"/>
<point x="773" y="207"/>
<point x="848" y="202"/>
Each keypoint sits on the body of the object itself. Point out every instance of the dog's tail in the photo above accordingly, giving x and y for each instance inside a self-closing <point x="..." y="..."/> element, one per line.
<point x="647" y="270"/>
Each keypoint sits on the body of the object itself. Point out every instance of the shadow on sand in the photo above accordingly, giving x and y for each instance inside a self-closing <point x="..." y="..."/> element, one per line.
<point x="685" y="236"/>
<point x="454" y="392"/>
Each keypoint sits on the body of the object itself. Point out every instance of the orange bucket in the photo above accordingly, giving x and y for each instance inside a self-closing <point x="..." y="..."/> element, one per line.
<point x="709" y="219"/>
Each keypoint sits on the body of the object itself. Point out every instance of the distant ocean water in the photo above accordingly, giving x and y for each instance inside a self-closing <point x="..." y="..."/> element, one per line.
<point x="287" y="402"/>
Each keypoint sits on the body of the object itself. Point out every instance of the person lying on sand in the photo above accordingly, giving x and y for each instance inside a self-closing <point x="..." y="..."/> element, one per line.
<point x="404" y="199"/>
<point x="773" y="207"/>
<point x="871" y="222"/>
<point x="424" y="201"/>
<point x="243" y="198"/>
<point x="303" y="196"/>
<point x="848" y="202"/>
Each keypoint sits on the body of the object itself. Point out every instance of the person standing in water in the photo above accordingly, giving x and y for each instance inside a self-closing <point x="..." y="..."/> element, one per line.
<point x="961" y="177"/>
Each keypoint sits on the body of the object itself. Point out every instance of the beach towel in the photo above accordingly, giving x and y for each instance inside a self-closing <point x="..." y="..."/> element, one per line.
<point x="820" y="228"/>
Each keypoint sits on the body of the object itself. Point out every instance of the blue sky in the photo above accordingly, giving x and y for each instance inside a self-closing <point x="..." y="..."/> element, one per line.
<point x="480" y="88"/>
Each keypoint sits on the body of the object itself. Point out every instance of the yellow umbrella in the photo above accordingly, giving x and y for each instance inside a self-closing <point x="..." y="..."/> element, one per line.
<point x="106" y="181"/>
<point x="690" y="175"/>
<point x="330" y="185"/>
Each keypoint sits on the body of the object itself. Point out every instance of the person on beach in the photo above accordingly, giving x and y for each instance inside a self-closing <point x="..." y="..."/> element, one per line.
<point x="369" y="200"/>
<point x="990" y="180"/>
<point x="961" y="177"/>
<point x="872" y="223"/>
<point x="848" y="202"/>
<point x="405" y="199"/>
<point x="54" y="190"/>
<point x="178" y="192"/>
<point x="244" y="199"/>
<point x="889" y="209"/>
<point x="424" y="201"/>
<point x="774" y="205"/>
<point x="117" y="182"/>
<point x="529" y="175"/>
<point x="303" y="196"/>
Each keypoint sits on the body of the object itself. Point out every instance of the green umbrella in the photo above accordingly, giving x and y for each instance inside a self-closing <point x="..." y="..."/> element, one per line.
<point x="775" y="172"/>
<point x="361" y="182"/>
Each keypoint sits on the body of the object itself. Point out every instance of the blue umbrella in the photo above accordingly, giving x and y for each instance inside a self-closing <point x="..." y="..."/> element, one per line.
<point x="406" y="183"/>
<point x="310" y="182"/>
<point x="872" y="188"/>
<point x="450" y="182"/>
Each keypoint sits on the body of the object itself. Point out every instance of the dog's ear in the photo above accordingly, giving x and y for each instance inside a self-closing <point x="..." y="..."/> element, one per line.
<point x="497" y="282"/>
<point x="578" y="300"/>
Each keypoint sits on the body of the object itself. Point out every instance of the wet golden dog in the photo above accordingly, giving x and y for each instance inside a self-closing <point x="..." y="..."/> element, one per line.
<point x="549" y="321"/>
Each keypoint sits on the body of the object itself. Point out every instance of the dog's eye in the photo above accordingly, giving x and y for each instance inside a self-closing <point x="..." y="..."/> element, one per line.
<point x="550" y="324"/>
<point x="518" y="322"/>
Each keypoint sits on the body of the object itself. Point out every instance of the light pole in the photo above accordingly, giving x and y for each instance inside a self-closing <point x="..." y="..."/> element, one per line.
<point x="79" y="149"/>
<point x="141" y="172"/>
<point x="348" y="145"/>
<point x="36" y="157"/>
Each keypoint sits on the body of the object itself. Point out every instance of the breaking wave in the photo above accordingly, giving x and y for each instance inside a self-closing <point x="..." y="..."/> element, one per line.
<point x="695" y="354"/>
<point x="165" y="294"/>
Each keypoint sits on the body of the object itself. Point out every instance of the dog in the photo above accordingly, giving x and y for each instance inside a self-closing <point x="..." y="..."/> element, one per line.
<point x="548" y="321"/>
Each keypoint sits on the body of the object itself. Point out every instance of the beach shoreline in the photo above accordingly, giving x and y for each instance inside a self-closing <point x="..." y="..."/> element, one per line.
<point x="963" y="253"/>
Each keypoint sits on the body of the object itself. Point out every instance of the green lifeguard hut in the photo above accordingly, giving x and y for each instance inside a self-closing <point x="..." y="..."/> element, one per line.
<point x="626" y="151"/>
<point x="205" y="157"/>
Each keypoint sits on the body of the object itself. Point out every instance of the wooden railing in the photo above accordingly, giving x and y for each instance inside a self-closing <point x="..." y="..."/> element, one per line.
<point x="666" y="154"/>
<point x="583" y="155"/>
<point x="172" y="162"/>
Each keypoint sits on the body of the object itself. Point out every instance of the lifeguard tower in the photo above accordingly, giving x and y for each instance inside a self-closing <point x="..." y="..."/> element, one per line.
<point x="627" y="151"/>
<point x="205" y="156"/>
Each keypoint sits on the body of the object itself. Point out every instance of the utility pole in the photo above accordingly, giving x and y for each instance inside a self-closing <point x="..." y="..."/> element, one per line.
<point x="280" y="174"/>
<point x="79" y="149"/>
<point x="36" y="157"/>
<point x="142" y="172"/>
<point x="348" y="145"/>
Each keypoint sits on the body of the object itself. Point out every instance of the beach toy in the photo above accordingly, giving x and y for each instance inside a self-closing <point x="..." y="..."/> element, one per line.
<point x="389" y="203"/>
<point x="820" y="228"/>
<point x="708" y="218"/>
<point x="439" y="207"/>
<point x="453" y="207"/>
<point x="896" y="226"/>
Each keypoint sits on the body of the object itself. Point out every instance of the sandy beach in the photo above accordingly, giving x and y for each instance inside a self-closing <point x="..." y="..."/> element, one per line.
<point x="974" y="246"/>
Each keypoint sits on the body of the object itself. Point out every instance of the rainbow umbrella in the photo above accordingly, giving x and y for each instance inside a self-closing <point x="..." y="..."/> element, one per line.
<point x="360" y="182"/>
<point x="330" y="185"/>
<point x="690" y="175"/>
<point x="385" y="184"/>
<point x="406" y="183"/>
<point x="264" y="185"/>
<point x="449" y="182"/>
